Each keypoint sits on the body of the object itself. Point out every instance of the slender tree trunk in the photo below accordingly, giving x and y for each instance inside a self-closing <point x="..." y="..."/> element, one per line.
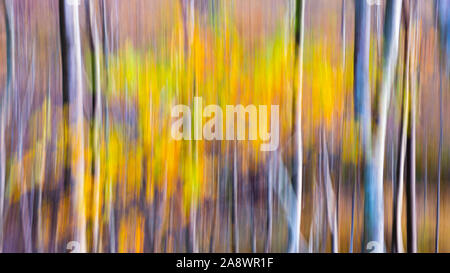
<point x="73" y="93"/>
<point x="397" y="237"/>
<point x="404" y="141"/>
<point x="373" y="202"/>
<point x="8" y="6"/>
<point x="97" y="109"/>
<point x="294" y="245"/>
<point x="411" y="142"/>
<point x="425" y="182"/>
<point x="362" y="115"/>
<point x="438" y="191"/>
<point x="343" y="40"/>
<point x="110" y="208"/>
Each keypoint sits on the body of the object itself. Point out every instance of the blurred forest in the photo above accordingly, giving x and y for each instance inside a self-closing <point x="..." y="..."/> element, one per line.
<point x="87" y="162"/>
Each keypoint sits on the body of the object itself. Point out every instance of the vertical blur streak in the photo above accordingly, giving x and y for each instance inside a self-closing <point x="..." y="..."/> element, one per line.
<point x="411" y="167"/>
<point x="299" y="32"/>
<point x="94" y="95"/>
<point x="97" y="120"/>
<point x="4" y="105"/>
<point x="72" y="87"/>
<point x="440" y="67"/>
<point x="363" y="117"/>
<point x="390" y="53"/>
<point x="403" y="144"/>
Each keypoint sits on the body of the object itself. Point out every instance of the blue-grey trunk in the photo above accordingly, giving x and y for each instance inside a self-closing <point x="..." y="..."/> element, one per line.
<point x="373" y="156"/>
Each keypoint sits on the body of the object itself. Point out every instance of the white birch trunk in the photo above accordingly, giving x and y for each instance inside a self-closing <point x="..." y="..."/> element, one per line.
<point x="73" y="85"/>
